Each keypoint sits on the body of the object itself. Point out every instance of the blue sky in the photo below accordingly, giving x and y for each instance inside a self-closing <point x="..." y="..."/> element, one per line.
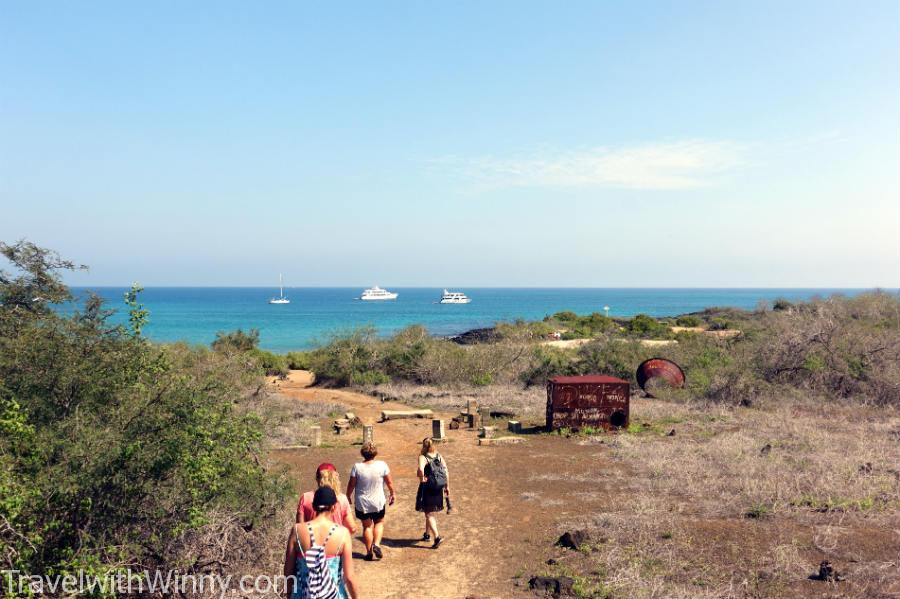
<point x="461" y="143"/>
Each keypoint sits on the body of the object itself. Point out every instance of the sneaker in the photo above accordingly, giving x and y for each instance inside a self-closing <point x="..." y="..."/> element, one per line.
<point x="369" y="557"/>
<point x="426" y="537"/>
<point x="377" y="551"/>
<point x="437" y="542"/>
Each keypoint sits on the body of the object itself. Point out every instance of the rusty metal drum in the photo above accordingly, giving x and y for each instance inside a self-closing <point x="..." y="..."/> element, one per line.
<point x="660" y="369"/>
<point x="579" y="401"/>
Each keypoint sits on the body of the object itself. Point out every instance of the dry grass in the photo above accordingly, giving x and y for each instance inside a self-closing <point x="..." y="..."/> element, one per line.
<point x="528" y="404"/>
<point x="746" y="502"/>
<point x="287" y="419"/>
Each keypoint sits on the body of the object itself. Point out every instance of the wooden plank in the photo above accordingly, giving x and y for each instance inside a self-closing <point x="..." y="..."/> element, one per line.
<point x="397" y="414"/>
<point x="501" y="441"/>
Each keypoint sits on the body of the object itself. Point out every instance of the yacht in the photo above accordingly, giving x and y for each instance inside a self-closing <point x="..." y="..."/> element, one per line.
<point x="454" y="297"/>
<point x="280" y="299"/>
<point x="377" y="293"/>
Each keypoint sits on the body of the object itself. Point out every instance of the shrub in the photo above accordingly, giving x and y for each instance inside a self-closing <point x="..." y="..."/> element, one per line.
<point x="348" y="357"/>
<point x="688" y="320"/>
<point x="646" y="326"/>
<point x="549" y="362"/>
<point x="236" y="340"/>
<point x="271" y="364"/>
<point x="298" y="360"/>
<point x="117" y="451"/>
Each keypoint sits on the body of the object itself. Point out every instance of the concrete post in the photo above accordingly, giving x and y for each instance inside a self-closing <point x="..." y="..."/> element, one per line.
<point x="368" y="433"/>
<point x="315" y="436"/>
<point x="487" y="432"/>
<point x="437" y="430"/>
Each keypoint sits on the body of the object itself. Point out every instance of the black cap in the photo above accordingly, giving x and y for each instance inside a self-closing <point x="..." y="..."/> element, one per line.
<point x="324" y="498"/>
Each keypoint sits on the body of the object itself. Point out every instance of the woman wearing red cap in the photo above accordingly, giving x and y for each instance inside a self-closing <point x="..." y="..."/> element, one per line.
<point x="327" y="476"/>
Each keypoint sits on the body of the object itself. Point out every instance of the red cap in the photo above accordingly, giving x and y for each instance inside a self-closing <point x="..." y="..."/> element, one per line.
<point x="324" y="467"/>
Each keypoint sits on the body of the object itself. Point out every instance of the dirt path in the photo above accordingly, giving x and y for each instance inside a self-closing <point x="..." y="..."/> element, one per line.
<point x="486" y="546"/>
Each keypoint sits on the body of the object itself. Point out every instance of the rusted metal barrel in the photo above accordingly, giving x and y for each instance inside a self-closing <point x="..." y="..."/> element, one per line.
<point x="659" y="368"/>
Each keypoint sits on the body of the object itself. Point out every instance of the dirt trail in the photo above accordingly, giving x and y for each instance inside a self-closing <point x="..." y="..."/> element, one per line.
<point x="488" y="539"/>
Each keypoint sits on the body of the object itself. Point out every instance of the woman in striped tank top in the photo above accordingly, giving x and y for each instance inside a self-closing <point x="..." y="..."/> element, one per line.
<point x="318" y="562"/>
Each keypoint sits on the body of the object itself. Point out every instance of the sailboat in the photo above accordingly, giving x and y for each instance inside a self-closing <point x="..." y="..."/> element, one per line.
<point x="280" y="299"/>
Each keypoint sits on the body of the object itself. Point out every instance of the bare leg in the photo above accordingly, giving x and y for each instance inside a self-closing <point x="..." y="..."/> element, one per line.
<point x="431" y="523"/>
<point x="379" y="531"/>
<point x="368" y="535"/>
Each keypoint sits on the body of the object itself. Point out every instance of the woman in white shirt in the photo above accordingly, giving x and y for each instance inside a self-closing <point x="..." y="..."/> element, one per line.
<point x="366" y="489"/>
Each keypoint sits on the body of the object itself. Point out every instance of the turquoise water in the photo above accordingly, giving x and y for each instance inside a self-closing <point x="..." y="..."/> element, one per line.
<point x="195" y="314"/>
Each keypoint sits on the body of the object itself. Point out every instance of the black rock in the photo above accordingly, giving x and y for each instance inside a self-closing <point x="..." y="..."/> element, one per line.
<point x="555" y="586"/>
<point x="574" y="539"/>
<point x="827" y="573"/>
<point x="487" y="335"/>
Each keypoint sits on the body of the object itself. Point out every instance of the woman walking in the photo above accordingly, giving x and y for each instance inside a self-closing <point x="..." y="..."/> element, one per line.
<point x="327" y="476"/>
<point x="318" y="562"/>
<point x="366" y="488"/>
<point x="434" y="483"/>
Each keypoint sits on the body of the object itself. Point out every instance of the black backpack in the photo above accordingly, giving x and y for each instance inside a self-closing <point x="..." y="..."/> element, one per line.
<point x="438" y="471"/>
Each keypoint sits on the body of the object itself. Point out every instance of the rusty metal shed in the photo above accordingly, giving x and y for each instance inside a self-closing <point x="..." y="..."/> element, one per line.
<point x="591" y="400"/>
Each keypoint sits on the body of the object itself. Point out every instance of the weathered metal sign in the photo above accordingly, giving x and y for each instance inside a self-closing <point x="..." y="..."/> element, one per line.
<point x="580" y="401"/>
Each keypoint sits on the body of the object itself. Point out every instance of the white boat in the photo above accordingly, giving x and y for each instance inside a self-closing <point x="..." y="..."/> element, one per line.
<point x="280" y="299"/>
<point x="454" y="297"/>
<point x="377" y="293"/>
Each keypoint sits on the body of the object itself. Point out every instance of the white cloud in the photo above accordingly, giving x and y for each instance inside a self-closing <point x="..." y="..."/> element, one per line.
<point x="656" y="166"/>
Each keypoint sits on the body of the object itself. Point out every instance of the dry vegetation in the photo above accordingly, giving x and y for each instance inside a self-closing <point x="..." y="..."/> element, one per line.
<point x="783" y="451"/>
<point x="743" y="502"/>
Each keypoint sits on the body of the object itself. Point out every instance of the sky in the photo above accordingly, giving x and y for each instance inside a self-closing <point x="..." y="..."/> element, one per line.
<point x="502" y="143"/>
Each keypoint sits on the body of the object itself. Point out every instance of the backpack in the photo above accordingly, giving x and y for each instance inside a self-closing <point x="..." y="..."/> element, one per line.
<point x="438" y="471"/>
<point x="319" y="583"/>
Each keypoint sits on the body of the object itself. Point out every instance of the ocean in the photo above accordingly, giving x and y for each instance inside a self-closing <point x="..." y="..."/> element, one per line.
<point x="195" y="314"/>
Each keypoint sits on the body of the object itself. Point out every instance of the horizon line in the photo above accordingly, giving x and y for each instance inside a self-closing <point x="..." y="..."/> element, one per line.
<point x="817" y="287"/>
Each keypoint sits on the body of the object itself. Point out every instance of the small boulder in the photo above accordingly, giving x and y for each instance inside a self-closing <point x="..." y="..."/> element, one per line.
<point x="827" y="573"/>
<point x="574" y="539"/>
<point x="552" y="586"/>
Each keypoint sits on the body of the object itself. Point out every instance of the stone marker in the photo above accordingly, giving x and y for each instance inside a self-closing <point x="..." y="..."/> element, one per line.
<point x="501" y="441"/>
<point x="437" y="429"/>
<point x="368" y="434"/>
<point x="514" y="426"/>
<point x="395" y="414"/>
<point x="315" y="436"/>
<point x="487" y="432"/>
<point x="471" y="406"/>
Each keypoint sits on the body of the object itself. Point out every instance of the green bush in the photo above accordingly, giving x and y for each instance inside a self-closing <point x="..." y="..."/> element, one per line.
<point x="647" y="327"/>
<point x="549" y="362"/>
<point x="298" y="360"/>
<point x="688" y="321"/>
<point x="114" y="450"/>
<point x="271" y="364"/>
<point x="236" y="340"/>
